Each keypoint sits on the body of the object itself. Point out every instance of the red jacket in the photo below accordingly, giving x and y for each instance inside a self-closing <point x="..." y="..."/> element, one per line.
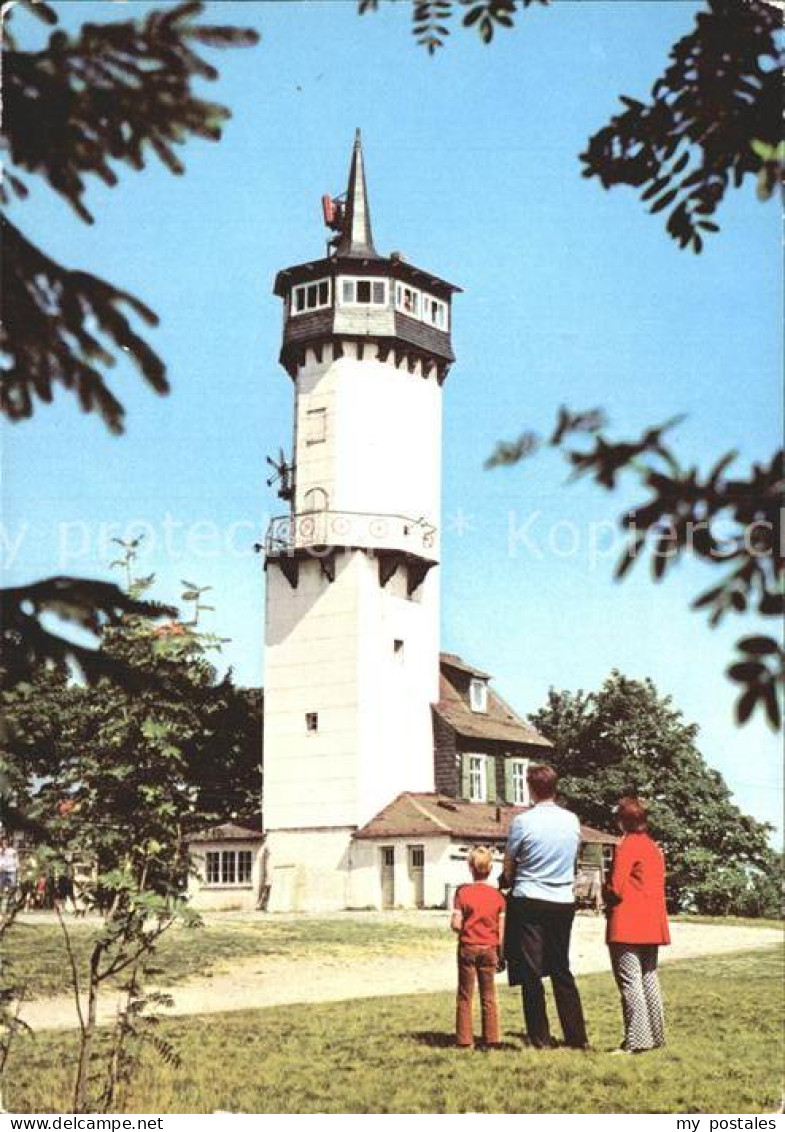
<point x="636" y="892"/>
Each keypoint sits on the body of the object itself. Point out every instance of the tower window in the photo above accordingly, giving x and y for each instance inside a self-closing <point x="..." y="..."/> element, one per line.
<point x="312" y="721"/>
<point x="407" y="300"/>
<point x="478" y="695"/>
<point x="310" y="296"/>
<point x="434" y="311"/>
<point x="372" y="291"/>
<point x="315" y="426"/>
<point x="398" y="649"/>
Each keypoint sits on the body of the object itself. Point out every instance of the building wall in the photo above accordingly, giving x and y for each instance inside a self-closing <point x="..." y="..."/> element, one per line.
<point x="218" y="898"/>
<point x="330" y="649"/>
<point x="331" y="646"/>
<point x="445" y="870"/>
<point x="308" y="869"/>
<point x="366" y="872"/>
<point x="446" y="758"/>
<point x="381" y="451"/>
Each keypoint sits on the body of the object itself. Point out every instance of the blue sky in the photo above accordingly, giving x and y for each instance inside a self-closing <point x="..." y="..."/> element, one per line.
<point x="571" y="295"/>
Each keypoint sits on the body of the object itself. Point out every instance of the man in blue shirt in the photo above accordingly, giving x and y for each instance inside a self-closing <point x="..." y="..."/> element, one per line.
<point x="539" y="867"/>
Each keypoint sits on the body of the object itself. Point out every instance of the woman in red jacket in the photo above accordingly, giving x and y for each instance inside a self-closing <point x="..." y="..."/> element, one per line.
<point x="637" y="926"/>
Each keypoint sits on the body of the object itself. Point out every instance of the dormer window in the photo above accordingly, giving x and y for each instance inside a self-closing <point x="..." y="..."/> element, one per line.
<point x="478" y="695"/>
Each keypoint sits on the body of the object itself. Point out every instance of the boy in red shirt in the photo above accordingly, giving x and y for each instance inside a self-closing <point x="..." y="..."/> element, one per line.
<point x="478" y="911"/>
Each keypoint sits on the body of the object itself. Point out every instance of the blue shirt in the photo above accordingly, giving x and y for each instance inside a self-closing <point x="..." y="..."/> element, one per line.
<point x="544" y="843"/>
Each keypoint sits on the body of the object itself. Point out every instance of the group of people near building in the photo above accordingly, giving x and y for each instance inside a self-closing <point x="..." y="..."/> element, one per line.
<point x="529" y="929"/>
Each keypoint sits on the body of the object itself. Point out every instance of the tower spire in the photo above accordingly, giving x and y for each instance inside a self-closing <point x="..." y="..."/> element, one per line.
<point x="356" y="237"/>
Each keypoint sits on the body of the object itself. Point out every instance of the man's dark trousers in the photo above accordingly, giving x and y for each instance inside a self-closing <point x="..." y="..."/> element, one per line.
<point x="537" y="943"/>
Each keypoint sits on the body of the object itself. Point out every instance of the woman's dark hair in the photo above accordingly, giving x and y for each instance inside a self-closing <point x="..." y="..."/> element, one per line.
<point x="631" y="814"/>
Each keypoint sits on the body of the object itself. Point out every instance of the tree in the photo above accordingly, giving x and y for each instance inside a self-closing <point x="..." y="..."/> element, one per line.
<point x="680" y="517"/>
<point x="627" y="739"/>
<point x="116" y="777"/>
<point x="115" y="93"/>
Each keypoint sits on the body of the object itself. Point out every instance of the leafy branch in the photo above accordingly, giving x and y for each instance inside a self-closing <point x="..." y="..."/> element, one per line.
<point x="681" y="517"/>
<point x="114" y="93"/>
<point x="714" y="117"/>
<point x="430" y="18"/>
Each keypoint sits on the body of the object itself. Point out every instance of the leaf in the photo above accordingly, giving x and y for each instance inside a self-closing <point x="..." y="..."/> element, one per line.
<point x="745" y="705"/>
<point x="762" y="149"/>
<point x="664" y="201"/>
<point x="759" y="646"/>
<point x="747" y="671"/>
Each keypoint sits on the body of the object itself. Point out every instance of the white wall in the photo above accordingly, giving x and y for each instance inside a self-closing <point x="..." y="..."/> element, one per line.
<point x="308" y="870"/>
<point x="382" y="452"/>
<point x="224" y="898"/>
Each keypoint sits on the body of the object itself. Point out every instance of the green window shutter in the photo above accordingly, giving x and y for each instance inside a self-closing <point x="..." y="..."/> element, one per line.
<point x="490" y="779"/>
<point x="508" y="792"/>
<point x="464" y="775"/>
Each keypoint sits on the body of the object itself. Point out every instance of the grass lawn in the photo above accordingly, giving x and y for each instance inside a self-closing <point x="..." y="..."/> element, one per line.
<point x="37" y="952"/>
<point x="395" y="1055"/>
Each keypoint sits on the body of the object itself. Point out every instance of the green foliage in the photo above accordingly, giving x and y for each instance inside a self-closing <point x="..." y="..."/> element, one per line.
<point x="115" y="775"/>
<point x="714" y="118"/>
<point x="627" y="739"/>
<point x="396" y="1055"/>
<point x="679" y="518"/>
<point x="114" y="93"/>
<point x="430" y="18"/>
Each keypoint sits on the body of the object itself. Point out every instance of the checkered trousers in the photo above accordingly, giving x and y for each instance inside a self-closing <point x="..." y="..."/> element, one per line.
<point x="635" y="970"/>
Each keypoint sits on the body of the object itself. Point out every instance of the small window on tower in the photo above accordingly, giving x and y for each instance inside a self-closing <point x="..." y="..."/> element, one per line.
<point x="347" y="291"/>
<point x="379" y="291"/>
<point x="363" y="290"/>
<point x="312" y="296"/>
<point x="312" y="721"/>
<point x="398" y="649"/>
<point x="315" y="426"/>
<point x="324" y="293"/>
<point x="299" y="299"/>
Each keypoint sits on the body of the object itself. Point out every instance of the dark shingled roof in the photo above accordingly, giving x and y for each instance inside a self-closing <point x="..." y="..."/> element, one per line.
<point x="435" y="815"/>
<point x="499" y="722"/>
<point x="227" y="831"/>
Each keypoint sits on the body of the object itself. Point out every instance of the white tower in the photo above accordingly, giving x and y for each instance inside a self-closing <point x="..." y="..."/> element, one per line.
<point x="352" y="612"/>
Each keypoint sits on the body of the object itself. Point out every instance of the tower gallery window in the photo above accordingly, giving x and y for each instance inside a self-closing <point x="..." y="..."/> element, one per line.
<point x="372" y="291"/>
<point x="310" y="297"/>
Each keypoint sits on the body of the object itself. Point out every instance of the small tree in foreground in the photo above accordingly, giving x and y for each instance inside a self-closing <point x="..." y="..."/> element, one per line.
<point x="118" y="777"/>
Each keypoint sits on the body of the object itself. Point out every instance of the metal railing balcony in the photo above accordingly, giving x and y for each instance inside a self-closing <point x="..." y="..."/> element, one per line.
<point x="309" y="530"/>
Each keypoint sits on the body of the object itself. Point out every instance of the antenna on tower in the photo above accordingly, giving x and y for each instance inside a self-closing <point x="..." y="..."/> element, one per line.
<point x="334" y="213"/>
<point x="283" y="474"/>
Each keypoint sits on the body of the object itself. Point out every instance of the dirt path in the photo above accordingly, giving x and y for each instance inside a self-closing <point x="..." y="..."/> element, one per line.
<point x="249" y="984"/>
